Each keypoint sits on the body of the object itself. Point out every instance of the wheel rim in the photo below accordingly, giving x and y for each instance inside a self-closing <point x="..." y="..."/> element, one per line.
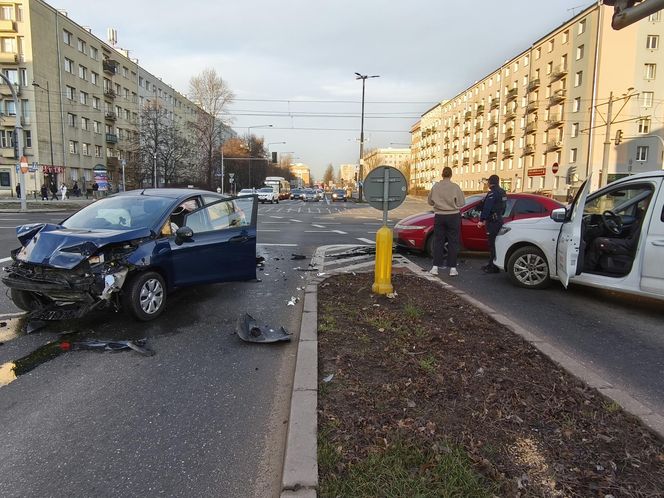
<point x="531" y="269"/>
<point x="151" y="296"/>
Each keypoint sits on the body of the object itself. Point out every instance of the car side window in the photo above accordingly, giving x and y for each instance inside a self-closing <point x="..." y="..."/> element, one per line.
<point x="527" y="206"/>
<point x="220" y="216"/>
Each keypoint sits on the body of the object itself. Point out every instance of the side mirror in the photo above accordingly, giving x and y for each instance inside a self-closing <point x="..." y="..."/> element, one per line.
<point x="559" y="214"/>
<point x="182" y="234"/>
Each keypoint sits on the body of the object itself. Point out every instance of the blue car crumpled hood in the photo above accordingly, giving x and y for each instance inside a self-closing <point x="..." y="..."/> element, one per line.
<point x="59" y="247"/>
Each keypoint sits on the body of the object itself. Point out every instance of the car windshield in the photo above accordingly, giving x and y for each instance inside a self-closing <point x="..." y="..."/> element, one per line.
<point x="123" y="212"/>
<point x="266" y="189"/>
<point x="246" y="191"/>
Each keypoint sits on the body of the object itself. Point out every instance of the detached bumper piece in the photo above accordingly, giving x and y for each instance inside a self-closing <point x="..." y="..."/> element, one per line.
<point x="248" y="330"/>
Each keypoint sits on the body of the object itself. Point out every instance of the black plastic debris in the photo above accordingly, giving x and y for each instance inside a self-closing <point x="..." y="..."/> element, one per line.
<point x="362" y="251"/>
<point x="34" y="325"/>
<point x="298" y="256"/>
<point x="305" y="269"/>
<point x="249" y="331"/>
<point x="137" y="345"/>
<point x="260" y="260"/>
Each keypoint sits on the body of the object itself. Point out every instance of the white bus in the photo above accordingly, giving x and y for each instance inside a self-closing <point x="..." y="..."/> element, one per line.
<point x="280" y="186"/>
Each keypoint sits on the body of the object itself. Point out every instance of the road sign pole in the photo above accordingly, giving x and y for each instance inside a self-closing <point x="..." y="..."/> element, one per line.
<point x="383" y="266"/>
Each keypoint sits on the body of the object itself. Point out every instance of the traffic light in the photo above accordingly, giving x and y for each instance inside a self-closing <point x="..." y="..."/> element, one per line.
<point x="619" y="135"/>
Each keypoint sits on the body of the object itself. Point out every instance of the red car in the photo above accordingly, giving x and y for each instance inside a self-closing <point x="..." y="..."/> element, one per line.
<point x="416" y="232"/>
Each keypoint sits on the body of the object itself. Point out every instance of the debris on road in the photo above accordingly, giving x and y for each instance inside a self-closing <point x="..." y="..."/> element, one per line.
<point x="293" y="300"/>
<point x="248" y="330"/>
<point x="298" y="256"/>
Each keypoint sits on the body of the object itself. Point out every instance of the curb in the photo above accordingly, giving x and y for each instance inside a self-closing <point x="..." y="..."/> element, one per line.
<point x="300" y="470"/>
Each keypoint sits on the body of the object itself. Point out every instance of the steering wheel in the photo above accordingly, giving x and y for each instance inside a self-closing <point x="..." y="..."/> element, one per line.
<point x="612" y="222"/>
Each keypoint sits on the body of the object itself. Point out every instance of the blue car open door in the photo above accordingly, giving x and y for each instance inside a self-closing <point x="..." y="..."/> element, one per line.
<point x="222" y="247"/>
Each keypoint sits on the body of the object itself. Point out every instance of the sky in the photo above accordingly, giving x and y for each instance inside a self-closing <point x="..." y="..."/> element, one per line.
<point x="292" y="64"/>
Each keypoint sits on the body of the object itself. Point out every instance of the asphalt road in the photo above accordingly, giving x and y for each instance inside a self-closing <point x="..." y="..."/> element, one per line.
<point x="206" y="415"/>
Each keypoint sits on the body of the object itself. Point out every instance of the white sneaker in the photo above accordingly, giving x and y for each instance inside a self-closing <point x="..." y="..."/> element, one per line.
<point x="434" y="270"/>
<point x="453" y="272"/>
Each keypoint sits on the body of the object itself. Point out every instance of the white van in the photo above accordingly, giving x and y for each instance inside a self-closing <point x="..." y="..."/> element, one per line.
<point x="611" y="239"/>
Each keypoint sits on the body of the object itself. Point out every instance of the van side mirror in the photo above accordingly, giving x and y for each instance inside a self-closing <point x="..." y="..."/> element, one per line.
<point x="559" y="214"/>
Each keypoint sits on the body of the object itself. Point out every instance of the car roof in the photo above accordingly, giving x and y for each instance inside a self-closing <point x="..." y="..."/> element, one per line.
<point x="170" y="193"/>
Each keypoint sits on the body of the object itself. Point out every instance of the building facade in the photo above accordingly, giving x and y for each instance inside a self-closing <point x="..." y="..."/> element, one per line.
<point x="397" y="158"/>
<point x="301" y="173"/>
<point x="348" y="174"/>
<point x="80" y="99"/>
<point x="539" y="121"/>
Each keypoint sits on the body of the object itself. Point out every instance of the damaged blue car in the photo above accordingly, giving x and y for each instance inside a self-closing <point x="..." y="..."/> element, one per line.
<point x="130" y="250"/>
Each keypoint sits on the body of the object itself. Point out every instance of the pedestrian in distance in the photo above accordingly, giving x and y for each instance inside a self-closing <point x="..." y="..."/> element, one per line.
<point x="95" y="190"/>
<point x="63" y="191"/>
<point x="491" y="217"/>
<point x="75" y="190"/>
<point x="44" y="192"/>
<point x="18" y="190"/>
<point x="447" y="199"/>
<point x="54" y="191"/>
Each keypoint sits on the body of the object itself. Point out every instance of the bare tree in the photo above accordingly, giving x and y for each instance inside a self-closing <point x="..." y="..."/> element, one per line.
<point x="328" y="176"/>
<point x="213" y="96"/>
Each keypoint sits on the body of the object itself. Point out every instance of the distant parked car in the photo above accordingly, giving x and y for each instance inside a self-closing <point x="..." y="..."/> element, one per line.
<point x="129" y="250"/>
<point x="247" y="191"/>
<point x="297" y="194"/>
<point x="416" y="232"/>
<point x="339" y="195"/>
<point x="267" y="194"/>
<point x="310" y="195"/>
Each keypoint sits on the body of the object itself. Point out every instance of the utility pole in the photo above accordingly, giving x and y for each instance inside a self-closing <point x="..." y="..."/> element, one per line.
<point x="607" y="143"/>
<point x="361" y="170"/>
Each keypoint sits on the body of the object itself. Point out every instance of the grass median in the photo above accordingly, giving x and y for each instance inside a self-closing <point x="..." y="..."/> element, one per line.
<point x="425" y="395"/>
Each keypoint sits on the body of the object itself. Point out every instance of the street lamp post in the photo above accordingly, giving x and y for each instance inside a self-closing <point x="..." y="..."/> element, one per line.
<point x="362" y="77"/>
<point x="154" y="169"/>
<point x="249" y="145"/>
<point x="50" y="130"/>
<point x="19" y="139"/>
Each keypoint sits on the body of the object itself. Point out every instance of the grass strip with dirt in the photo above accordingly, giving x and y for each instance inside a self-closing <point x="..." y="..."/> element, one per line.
<point x="431" y="397"/>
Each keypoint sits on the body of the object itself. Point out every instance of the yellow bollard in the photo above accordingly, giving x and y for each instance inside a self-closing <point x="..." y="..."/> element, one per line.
<point x="383" y="272"/>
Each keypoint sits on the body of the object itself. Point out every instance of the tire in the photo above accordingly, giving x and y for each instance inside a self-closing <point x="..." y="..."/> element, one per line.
<point x="277" y="201"/>
<point x="25" y="300"/>
<point x="144" y="296"/>
<point x="528" y="268"/>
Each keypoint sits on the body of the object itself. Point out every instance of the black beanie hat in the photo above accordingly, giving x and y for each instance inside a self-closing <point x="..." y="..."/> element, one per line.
<point x="494" y="180"/>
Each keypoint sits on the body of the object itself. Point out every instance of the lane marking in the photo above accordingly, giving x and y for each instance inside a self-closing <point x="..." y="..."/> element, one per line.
<point x="366" y="241"/>
<point x="296" y="221"/>
<point x="327" y="231"/>
<point x="318" y="226"/>
<point x="277" y="217"/>
<point x="4" y="260"/>
<point x="283" y="245"/>
<point x="275" y="222"/>
<point x="267" y="230"/>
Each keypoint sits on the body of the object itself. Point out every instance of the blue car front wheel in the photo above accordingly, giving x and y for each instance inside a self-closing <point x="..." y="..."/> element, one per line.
<point x="144" y="296"/>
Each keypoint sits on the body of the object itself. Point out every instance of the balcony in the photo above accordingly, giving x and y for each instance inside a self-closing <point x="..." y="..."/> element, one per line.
<point x="478" y="127"/>
<point x="6" y="91"/>
<point x="456" y="121"/>
<point x="8" y="26"/>
<point x="553" y="145"/>
<point x="477" y="158"/>
<point x="494" y="103"/>
<point x="111" y="138"/>
<point x="10" y="120"/>
<point x="455" y="162"/>
<point x="507" y="153"/>
<point x="466" y="161"/>
<point x="558" y="72"/>
<point x="509" y="116"/>
<point x="493" y="155"/>
<point x="110" y="66"/>
<point x="479" y="111"/>
<point x="509" y="132"/>
<point x="533" y="85"/>
<point x="554" y="121"/>
<point x="529" y="150"/>
<point x="511" y="95"/>
<point x="466" y="146"/>
<point x="531" y="127"/>
<point x="532" y="106"/>
<point x="493" y="122"/>
<point x="467" y="116"/>
<point x="557" y="98"/>
<point x="7" y="152"/>
<point x="109" y="93"/>
<point x="8" y="58"/>
<point x="466" y="130"/>
<point x="110" y="116"/>
<point x="493" y="138"/>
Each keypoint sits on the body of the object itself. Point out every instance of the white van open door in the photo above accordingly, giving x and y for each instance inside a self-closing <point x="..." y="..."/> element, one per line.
<point x="569" y="239"/>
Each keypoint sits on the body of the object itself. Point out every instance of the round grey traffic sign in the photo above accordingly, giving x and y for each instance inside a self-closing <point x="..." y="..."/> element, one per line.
<point x="385" y="188"/>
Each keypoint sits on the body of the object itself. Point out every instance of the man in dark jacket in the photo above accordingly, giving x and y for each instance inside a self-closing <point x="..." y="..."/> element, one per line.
<point x="54" y="191"/>
<point x="492" y="217"/>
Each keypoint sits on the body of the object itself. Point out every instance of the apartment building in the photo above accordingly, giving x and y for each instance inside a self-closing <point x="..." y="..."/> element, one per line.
<point x="80" y="99"/>
<point x="301" y="173"/>
<point x="539" y="121"/>
<point x="397" y="158"/>
<point x="347" y="173"/>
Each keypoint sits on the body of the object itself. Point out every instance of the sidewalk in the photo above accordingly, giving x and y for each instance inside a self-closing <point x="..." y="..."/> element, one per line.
<point x="300" y="471"/>
<point x="13" y="205"/>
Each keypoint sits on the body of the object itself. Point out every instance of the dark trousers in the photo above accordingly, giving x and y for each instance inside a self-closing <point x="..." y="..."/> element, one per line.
<point x="492" y="229"/>
<point x="446" y="228"/>
<point x="606" y="245"/>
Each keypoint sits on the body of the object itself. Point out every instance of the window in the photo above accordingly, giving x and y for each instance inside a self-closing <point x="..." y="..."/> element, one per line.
<point x="96" y="127"/>
<point x="654" y="17"/>
<point x="549" y="67"/>
<point x="642" y="153"/>
<point x="575" y="130"/>
<point x="94" y="53"/>
<point x="85" y="123"/>
<point x="578" y="78"/>
<point x="644" y="125"/>
<point x="5" y="179"/>
<point x="83" y="72"/>
<point x="7" y="12"/>
<point x="652" y="42"/>
<point x="96" y="103"/>
<point x="69" y="65"/>
<point x="582" y="27"/>
<point x="538" y="53"/>
<point x="98" y="150"/>
<point x="650" y="70"/>
<point x="8" y="45"/>
<point x="579" y="52"/>
<point x="83" y="98"/>
<point x="81" y="45"/>
<point x="125" y="71"/>
<point x="94" y="78"/>
<point x="71" y="119"/>
<point x="577" y="104"/>
<point x="85" y="149"/>
<point x="572" y="155"/>
<point x="73" y="147"/>
<point x="67" y="37"/>
<point x="647" y="98"/>
<point x="550" y="47"/>
<point x="527" y="206"/>
<point x="566" y="36"/>
<point x="70" y="92"/>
